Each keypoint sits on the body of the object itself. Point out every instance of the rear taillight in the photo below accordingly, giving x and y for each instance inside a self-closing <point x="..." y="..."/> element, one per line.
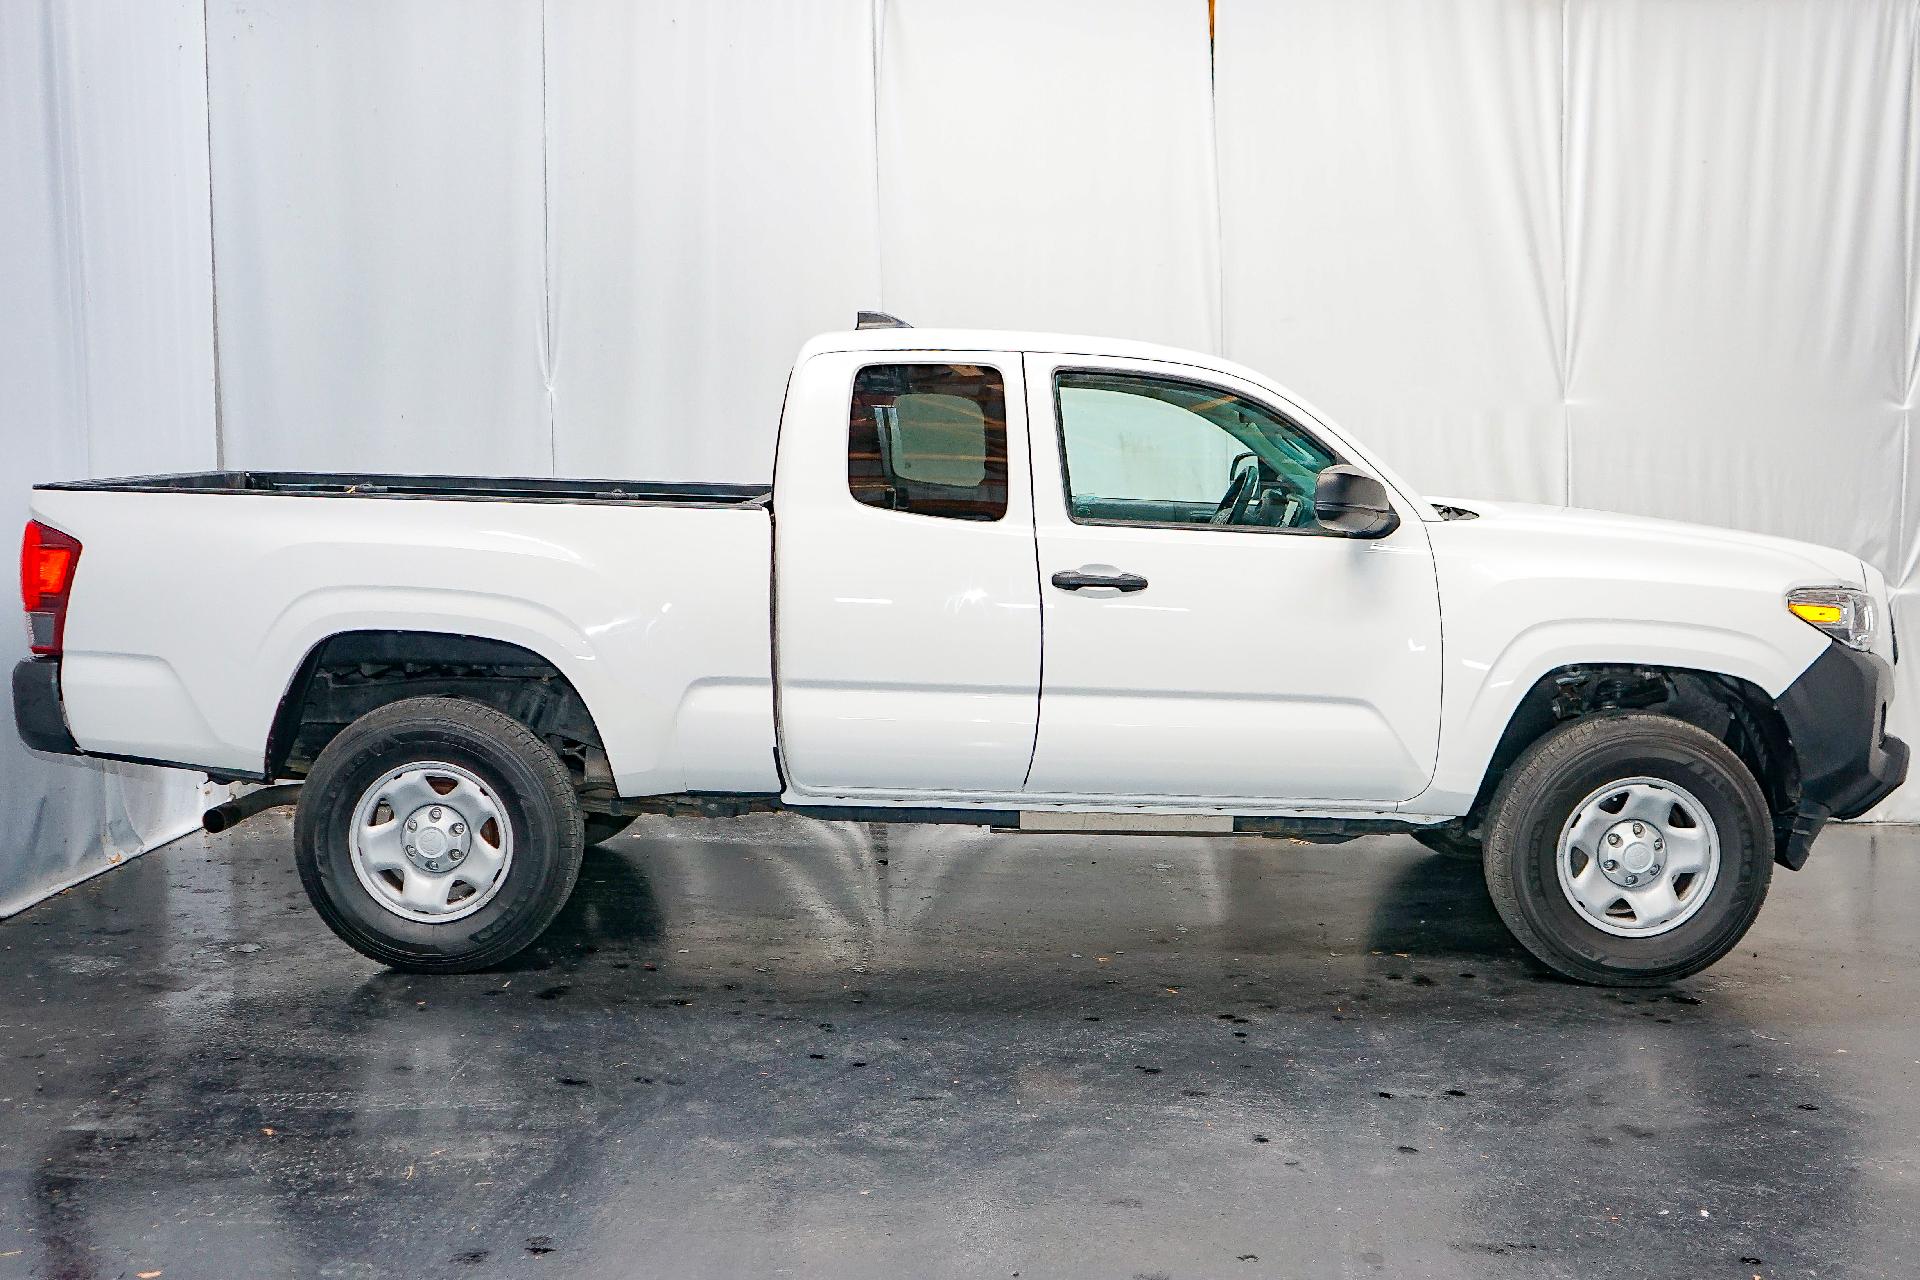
<point x="47" y="560"/>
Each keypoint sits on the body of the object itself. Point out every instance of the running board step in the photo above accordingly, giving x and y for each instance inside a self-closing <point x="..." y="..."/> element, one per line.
<point x="1131" y="824"/>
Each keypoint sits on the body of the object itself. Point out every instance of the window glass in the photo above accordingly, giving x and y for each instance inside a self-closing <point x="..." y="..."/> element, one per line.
<point x="930" y="439"/>
<point x="1142" y="450"/>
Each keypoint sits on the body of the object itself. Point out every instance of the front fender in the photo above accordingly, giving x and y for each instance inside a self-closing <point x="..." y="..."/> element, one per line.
<point x="1480" y="697"/>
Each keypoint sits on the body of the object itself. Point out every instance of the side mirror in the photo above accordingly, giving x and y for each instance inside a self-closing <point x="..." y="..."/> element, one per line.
<point x="1348" y="500"/>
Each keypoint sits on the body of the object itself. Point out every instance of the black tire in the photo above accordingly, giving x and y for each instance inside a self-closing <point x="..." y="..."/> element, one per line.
<point x="602" y="827"/>
<point x="534" y="792"/>
<point x="1538" y="796"/>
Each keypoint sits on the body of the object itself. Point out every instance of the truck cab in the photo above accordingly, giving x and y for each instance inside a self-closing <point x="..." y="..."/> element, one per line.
<point x="1020" y="574"/>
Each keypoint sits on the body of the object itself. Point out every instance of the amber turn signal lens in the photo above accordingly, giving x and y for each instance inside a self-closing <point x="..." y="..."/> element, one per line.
<point x="1820" y="615"/>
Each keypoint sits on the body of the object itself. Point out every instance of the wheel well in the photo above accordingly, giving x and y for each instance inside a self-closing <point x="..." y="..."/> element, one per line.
<point x="350" y="674"/>
<point x="1736" y="711"/>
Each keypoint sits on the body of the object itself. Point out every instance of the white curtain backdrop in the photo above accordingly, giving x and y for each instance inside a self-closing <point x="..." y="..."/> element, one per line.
<point x="106" y="352"/>
<point x="1647" y="255"/>
<point x="1048" y="164"/>
<point x="711" y="203"/>
<point x="378" y="230"/>
<point x="1391" y="214"/>
<point x="1738" y="263"/>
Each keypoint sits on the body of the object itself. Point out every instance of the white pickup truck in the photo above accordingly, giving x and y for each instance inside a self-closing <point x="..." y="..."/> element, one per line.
<point x="1023" y="581"/>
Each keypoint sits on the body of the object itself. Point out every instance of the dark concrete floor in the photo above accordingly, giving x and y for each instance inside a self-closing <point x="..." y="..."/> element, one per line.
<point x="768" y="1048"/>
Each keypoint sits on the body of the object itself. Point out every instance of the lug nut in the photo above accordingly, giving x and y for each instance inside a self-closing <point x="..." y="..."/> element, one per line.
<point x="1659" y="843"/>
<point x="1637" y="828"/>
<point x="413" y="824"/>
<point x="1613" y="837"/>
<point x="457" y="855"/>
<point x="435" y="815"/>
<point x="1609" y="865"/>
<point x="1653" y="870"/>
<point x="433" y="864"/>
<point x="459" y="828"/>
<point x="1630" y="879"/>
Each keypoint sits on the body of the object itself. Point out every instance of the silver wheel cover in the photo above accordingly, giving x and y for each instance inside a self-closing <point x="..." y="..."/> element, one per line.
<point x="430" y="842"/>
<point x="1639" y="857"/>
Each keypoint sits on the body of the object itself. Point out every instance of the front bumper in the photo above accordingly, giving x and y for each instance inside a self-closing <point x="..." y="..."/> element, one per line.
<point x="36" y="707"/>
<point x="1836" y="715"/>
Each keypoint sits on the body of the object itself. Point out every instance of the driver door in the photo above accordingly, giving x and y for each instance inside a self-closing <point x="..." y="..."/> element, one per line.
<point x="1205" y="641"/>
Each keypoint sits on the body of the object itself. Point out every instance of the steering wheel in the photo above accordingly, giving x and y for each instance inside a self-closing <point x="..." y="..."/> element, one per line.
<point x="1240" y="490"/>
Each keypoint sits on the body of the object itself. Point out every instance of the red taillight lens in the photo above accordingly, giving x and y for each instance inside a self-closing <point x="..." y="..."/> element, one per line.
<point x="47" y="560"/>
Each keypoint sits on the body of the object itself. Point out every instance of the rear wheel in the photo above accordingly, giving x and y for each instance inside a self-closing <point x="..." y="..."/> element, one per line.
<point x="438" y="835"/>
<point x="1628" y="849"/>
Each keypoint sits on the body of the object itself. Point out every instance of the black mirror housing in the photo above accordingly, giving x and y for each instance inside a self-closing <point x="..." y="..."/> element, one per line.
<point x="1349" y="501"/>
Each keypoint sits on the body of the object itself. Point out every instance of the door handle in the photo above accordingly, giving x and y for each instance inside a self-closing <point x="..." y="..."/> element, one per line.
<point x="1075" y="580"/>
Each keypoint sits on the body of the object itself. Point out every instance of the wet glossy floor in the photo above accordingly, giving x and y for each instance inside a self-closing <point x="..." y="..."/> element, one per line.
<point x="769" y="1048"/>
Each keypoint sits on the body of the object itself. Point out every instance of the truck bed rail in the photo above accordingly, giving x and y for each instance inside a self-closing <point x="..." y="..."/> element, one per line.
<point x="319" y="484"/>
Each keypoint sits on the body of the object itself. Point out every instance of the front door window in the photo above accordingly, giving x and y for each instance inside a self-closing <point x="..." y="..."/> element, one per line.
<point x="1162" y="452"/>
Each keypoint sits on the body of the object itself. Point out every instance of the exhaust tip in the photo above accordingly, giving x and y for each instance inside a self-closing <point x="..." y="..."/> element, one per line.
<point x="229" y="814"/>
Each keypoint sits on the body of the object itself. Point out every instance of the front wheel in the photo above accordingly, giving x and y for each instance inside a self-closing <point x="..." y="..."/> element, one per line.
<point x="438" y="835"/>
<point x="1628" y="849"/>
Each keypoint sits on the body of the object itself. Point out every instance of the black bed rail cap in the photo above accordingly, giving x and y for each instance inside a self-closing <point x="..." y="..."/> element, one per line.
<point x="880" y="320"/>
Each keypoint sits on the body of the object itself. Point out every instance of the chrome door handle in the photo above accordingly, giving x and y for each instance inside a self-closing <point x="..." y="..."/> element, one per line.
<point x="1075" y="580"/>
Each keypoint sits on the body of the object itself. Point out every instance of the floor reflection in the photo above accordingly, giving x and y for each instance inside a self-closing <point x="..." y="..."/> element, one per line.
<point x="848" y="1050"/>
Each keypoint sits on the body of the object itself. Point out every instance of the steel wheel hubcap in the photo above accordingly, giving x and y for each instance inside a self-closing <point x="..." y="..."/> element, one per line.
<point x="1638" y="857"/>
<point x="430" y="842"/>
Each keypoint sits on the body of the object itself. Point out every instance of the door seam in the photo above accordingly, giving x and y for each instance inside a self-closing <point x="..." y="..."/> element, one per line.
<point x="1039" y="586"/>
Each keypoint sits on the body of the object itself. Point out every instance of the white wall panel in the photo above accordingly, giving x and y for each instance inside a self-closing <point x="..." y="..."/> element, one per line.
<point x="106" y="351"/>
<point x="713" y="206"/>
<point x="1048" y="164"/>
<point x="378" y="210"/>
<point x="1390" y="201"/>
<point x="1738" y="271"/>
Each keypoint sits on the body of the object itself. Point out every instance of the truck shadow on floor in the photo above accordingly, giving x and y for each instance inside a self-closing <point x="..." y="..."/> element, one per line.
<point x="613" y="907"/>
<point x="1433" y="904"/>
<point x="1438" y="905"/>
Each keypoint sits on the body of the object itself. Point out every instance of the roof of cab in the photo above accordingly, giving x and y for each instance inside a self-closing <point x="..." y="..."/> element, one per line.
<point x="999" y="340"/>
<point x="907" y="339"/>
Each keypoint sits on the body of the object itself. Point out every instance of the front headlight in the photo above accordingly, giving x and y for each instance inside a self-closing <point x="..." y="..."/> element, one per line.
<point x="1844" y="613"/>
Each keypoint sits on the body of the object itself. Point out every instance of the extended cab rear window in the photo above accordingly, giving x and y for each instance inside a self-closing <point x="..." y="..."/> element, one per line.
<point x="930" y="440"/>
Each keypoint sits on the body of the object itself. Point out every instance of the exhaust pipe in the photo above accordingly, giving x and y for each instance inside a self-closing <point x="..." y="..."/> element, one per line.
<point x="225" y="817"/>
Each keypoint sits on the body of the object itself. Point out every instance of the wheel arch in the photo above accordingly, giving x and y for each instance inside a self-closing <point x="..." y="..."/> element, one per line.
<point x="350" y="672"/>
<point x="1735" y="710"/>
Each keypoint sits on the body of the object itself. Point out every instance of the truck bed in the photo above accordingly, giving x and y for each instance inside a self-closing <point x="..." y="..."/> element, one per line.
<point x="335" y="484"/>
<point x="202" y="596"/>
